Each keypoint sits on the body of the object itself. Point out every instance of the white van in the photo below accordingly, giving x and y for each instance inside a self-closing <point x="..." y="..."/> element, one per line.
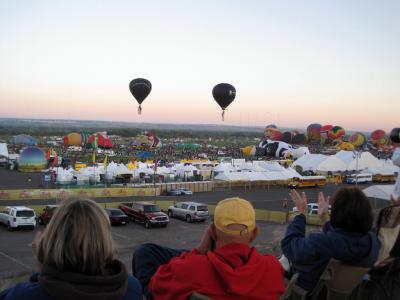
<point x="18" y="216"/>
<point x="359" y="178"/>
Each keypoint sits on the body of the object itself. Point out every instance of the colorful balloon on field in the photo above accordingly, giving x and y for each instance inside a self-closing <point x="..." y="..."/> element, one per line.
<point x="32" y="159"/>
<point x="324" y="134"/>
<point x="73" y="139"/>
<point x="313" y="132"/>
<point x="379" y="138"/>
<point x="100" y="140"/>
<point x="23" y="140"/>
<point x="299" y="139"/>
<point x="336" y="133"/>
<point x="287" y="137"/>
<point x="358" y="139"/>
<point x="272" y="133"/>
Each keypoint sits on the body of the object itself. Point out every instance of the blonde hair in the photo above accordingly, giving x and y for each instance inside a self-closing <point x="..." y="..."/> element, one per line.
<point x="78" y="238"/>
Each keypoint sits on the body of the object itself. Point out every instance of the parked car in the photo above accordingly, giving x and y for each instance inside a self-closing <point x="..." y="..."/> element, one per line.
<point x="186" y="192"/>
<point x="189" y="211"/>
<point x="18" y="216"/>
<point x="46" y="215"/>
<point x="174" y="192"/>
<point x="117" y="216"/>
<point x="312" y="209"/>
<point x="146" y="213"/>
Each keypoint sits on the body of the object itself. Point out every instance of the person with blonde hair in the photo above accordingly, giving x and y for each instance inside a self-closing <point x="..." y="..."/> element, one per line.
<point x="223" y="266"/>
<point x="77" y="259"/>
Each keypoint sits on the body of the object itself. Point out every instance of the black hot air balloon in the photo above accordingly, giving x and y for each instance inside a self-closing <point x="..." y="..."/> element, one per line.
<point x="224" y="94"/>
<point x="140" y="89"/>
<point x="395" y="135"/>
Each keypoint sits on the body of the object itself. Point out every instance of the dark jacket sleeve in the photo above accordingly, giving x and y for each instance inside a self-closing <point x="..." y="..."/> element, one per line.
<point x="295" y="246"/>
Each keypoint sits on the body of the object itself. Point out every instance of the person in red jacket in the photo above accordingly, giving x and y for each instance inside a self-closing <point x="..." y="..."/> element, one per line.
<point x="223" y="266"/>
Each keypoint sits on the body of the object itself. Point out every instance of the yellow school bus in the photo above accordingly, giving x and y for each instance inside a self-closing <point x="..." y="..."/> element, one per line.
<point x="307" y="181"/>
<point x="388" y="177"/>
<point x="79" y="166"/>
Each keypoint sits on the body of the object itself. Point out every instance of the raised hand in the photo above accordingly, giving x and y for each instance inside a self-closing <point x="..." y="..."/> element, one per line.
<point x="300" y="200"/>
<point x="323" y="207"/>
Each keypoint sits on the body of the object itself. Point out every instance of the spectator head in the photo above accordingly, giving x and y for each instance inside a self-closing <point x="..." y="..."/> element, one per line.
<point x="351" y="210"/>
<point x="78" y="238"/>
<point x="235" y="221"/>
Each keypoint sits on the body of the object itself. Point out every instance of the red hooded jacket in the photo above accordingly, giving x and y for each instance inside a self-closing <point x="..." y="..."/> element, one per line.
<point x="232" y="272"/>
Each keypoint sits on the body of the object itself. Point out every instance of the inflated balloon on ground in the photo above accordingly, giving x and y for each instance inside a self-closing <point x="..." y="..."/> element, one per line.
<point x="313" y="132"/>
<point x="379" y="138"/>
<point x="32" y="159"/>
<point x="336" y="132"/>
<point x="272" y="133"/>
<point x="358" y="139"/>
<point x="395" y="135"/>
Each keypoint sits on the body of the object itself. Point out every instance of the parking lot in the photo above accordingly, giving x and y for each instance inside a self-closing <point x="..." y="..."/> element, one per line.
<point x="17" y="259"/>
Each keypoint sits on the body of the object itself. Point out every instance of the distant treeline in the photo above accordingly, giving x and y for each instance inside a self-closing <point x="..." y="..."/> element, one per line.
<point x="124" y="132"/>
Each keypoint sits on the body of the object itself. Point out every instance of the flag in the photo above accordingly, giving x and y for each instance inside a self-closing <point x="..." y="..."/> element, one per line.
<point x="105" y="164"/>
<point x="48" y="154"/>
<point x="155" y="165"/>
<point x="55" y="162"/>
<point x="94" y="157"/>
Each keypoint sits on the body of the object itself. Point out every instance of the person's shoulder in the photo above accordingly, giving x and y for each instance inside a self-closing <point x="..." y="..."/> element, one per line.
<point x="134" y="290"/>
<point x="25" y="290"/>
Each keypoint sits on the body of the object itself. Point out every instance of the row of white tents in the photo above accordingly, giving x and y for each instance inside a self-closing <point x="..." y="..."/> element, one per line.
<point x="346" y="161"/>
<point x="112" y="170"/>
<point x="253" y="171"/>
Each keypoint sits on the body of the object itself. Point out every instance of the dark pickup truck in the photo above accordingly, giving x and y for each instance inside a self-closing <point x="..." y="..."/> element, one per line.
<point x="146" y="213"/>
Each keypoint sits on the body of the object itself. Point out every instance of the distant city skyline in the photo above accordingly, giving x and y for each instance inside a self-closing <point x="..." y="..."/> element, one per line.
<point x="292" y="62"/>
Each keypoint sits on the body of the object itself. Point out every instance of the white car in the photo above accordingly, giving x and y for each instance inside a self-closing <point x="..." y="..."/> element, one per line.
<point x="18" y="216"/>
<point x="312" y="209"/>
<point x="189" y="211"/>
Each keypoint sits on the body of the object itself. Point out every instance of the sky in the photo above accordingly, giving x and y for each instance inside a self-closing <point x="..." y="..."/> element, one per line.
<point x="292" y="62"/>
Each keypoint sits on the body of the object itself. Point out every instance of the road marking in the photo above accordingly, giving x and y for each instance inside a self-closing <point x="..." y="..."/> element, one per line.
<point x="16" y="261"/>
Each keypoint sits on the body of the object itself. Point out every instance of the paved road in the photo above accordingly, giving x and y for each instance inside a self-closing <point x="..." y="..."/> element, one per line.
<point x="270" y="199"/>
<point x="16" y="256"/>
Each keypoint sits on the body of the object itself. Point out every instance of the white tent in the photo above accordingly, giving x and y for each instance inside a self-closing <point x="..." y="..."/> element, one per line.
<point x="379" y="191"/>
<point x="365" y="161"/>
<point x="224" y="167"/>
<point x="64" y="176"/>
<point x="3" y="150"/>
<point x="310" y="162"/>
<point x="331" y="164"/>
<point x="358" y="160"/>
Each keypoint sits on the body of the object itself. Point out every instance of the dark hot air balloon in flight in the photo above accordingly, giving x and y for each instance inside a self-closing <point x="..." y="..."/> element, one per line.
<point x="140" y="89"/>
<point x="224" y="94"/>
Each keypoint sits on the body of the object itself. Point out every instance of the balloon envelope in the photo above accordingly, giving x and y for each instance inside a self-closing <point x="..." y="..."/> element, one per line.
<point x="299" y="138"/>
<point x="140" y="89"/>
<point x="73" y="139"/>
<point x="379" y="138"/>
<point x="313" y="132"/>
<point x="336" y="132"/>
<point x="287" y="137"/>
<point x="32" y="159"/>
<point x="224" y="94"/>
<point x="273" y="134"/>
<point x="395" y="135"/>
<point x="358" y="139"/>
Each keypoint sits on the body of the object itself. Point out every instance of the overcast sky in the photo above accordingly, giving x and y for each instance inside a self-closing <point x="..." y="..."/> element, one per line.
<point x="292" y="62"/>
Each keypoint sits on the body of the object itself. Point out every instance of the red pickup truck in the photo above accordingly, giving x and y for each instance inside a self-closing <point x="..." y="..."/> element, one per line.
<point x="146" y="213"/>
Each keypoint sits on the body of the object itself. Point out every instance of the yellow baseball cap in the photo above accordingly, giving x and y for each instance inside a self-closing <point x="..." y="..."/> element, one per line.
<point x="234" y="211"/>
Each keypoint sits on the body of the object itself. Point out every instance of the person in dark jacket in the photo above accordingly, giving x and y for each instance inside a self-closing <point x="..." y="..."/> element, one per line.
<point x="346" y="235"/>
<point x="77" y="259"/>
